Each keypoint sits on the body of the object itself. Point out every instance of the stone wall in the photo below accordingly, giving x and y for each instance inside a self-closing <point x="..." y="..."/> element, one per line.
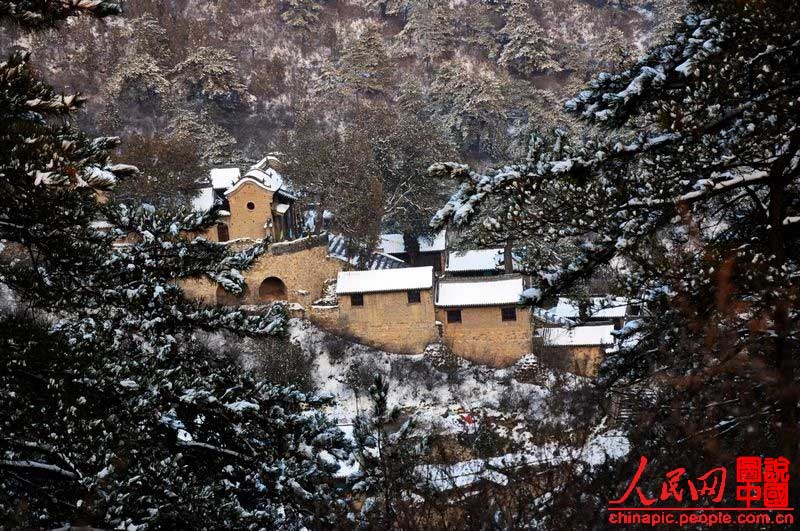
<point x="386" y="321"/>
<point x="580" y="360"/>
<point x="297" y="272"/>
<point x="483" y="337"/>
<point x="303" y="271"/>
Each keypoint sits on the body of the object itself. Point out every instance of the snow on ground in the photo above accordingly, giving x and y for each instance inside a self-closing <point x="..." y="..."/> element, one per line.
<point x="601" y="446"/>
<point x="443" y="402"/>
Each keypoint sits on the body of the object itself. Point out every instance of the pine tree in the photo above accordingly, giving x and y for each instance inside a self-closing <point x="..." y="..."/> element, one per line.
<point x="214" y="143"/>
<point x="301" y="14"/>
<point x="138" y="81"/>
<point x="697" y="207"/>
<point x="429" y="30"/>
<point x="526" y="48"/>
<point x="365" y="64"/>
<point x="210" y="75"/>
<point x="386" y="458"/>
<point x="469" y="104"/>
<point x="112" y="414"/>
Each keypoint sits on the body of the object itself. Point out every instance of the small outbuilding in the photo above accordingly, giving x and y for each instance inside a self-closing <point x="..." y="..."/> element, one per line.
<point x="431" y="249"/>
<point x="579" y="349"/>
<point x="391" y="309"/>
<point x="477" y="262"/>
<point x="483" y="320"/>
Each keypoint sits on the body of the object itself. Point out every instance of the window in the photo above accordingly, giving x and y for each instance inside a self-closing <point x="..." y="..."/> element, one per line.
<point x="508" y="314"/>
<point x="357" y="299"/>
<point x="222" y="233"/>
<point x="453" y="316"/>
<point x="251" y="206"/>
<point x="413" y="297"/>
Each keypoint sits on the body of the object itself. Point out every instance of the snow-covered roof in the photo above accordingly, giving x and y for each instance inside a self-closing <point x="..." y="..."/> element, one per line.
<point x="337" y="248"/>
<point x="393" y="243"/>
<point x="224" y="177"/>
<point x="470" y="292"/>
<point x="577" y="336"/>
<point x="410" y="278"/>
<point x="204" y="199"/>
<point x="269" y="177"/>
<point x="475" y="260"/>
<point x="247" y="179"/>
<point x="600" y="308"/>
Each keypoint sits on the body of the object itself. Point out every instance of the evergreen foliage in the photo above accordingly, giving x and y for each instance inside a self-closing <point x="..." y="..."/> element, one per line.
<point x="387" y="457"/>
<point x="366" y="68"/>
<point x="301" y="14"/>
<point x="526" y="49"/>
<point x="111" y="413"/>
<point x="697" y="210"/>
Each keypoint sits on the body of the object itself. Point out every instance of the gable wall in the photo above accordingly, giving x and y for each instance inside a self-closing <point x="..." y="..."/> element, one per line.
<point x="483" y="337"/>
<point x="246" y="223"/>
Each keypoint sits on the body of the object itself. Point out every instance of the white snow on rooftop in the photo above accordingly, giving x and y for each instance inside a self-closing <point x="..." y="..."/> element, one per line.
<point x="479" y="293"/>
<point x="475" y="260"/>
<point x="268" y="177"/>
<point x="600" y="308"/>
<point x="204" y="200"/>
<point x="393" y="243"/>
<point x="578" y="335"/>
<point x="224" y="177"/>
<point x="375" y="281"/>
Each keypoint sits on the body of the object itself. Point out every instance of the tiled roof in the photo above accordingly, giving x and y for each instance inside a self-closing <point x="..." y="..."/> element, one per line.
<point x="337" y="247"/>
<point x="499" y="291"/>
<point x="409" y="278"/>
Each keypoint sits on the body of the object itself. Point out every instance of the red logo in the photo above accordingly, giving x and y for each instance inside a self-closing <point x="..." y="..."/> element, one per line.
<point x="762" y="486"/>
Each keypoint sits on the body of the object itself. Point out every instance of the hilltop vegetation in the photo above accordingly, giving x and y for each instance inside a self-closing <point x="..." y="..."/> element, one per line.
<point x="232" y="75"/>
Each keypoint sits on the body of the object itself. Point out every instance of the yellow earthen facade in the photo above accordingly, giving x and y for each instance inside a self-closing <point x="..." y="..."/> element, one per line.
<point x="483" y="337"/>
<point x="293" y="271"/>
<point x="251" y="211"/>
<point x="386" y="320"/>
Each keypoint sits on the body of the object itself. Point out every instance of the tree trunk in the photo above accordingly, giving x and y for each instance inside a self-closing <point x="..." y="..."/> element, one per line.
<point x="786" y="363"/>
<point x="508" y="257"/>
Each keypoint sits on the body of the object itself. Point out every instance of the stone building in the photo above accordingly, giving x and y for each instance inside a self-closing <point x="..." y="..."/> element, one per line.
<point x="482" y="319"/>
<point x="597" y="310"/>
<point x="469" y="300"/>
<point x="388" y="309"/>
<point x="293" y="271"/>
<point x="579" y="349"/>
<point x="256" y="206"/>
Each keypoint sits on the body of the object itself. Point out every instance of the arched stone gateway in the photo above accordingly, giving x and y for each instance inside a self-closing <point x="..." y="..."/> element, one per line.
<point x="226" y="298"/>
<point x="272" y="289"/>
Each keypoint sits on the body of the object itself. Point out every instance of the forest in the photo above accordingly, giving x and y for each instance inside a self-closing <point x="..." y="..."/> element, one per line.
<point x="648" y="147"/>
